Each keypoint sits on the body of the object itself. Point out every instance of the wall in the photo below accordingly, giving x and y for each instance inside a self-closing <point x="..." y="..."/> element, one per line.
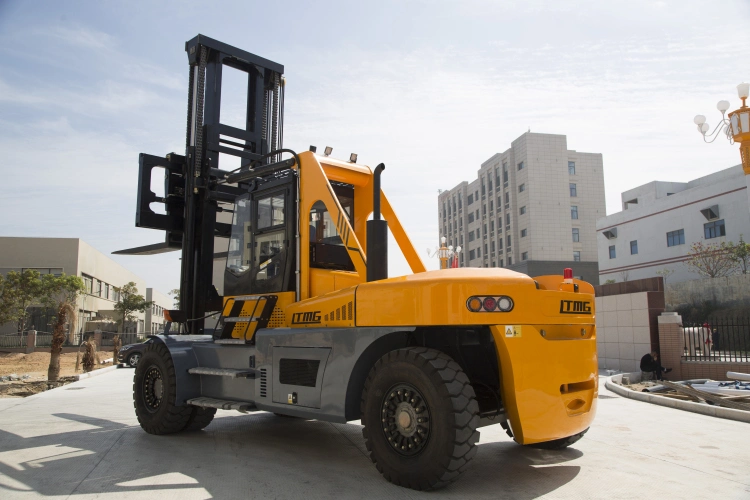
<point x="626" y="328"/>
<point x="728" y="291"/>
<point x="672" y="347"/>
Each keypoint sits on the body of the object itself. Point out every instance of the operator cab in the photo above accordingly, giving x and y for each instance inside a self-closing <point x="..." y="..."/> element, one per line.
<point x="261" y="254"/>
<point x="261" y="251"/>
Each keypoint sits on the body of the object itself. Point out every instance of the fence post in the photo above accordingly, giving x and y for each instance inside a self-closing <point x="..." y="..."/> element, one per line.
<point x="30" y="341"/>
<point x="671" y="342"/>
<point x="98" y="339"/>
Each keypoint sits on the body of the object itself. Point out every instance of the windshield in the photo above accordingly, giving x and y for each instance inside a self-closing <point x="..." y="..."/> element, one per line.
<point x="238" y="257"/>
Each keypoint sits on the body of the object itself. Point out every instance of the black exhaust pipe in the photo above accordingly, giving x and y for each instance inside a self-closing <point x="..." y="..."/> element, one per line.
<point x="377" y="234"/>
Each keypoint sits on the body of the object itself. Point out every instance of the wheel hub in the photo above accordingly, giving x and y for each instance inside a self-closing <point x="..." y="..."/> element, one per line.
<point x="406" y="419"/>
<point x="153" y="389"/>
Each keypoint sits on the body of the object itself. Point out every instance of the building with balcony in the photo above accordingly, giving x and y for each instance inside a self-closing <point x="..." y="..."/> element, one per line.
<point x="660" y="221"/>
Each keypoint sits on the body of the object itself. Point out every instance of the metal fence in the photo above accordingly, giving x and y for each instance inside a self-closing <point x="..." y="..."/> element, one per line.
<point x="13" y="340"/>
<point x="44" y="339"/>
<point x="725" y="339"/>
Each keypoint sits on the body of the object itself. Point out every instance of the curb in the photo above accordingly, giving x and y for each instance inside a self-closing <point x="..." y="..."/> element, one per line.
<point x="612" y="384"/>
<point x="100" y="371"/>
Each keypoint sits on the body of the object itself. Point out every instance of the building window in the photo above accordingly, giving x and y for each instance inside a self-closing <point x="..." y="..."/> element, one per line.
<point x="470" y="199"/>
<point x="507" y="241"/>
<point x="571" y="168"/>
<point x="491" y="206"/>
<point x="477" y="232"/>
<point x="484" y="209"/>
<point x="510" y="261"/>
<point x="500" y="244"/>
<point x="505" y="172"/>
<point x="501" y="262"/>
<point x="522" y="210"/>
<point x="489" y="184"/>
<point x="576" y="256"/>
<point x="675" y="238"/>
<point x="98" y="292"/>
<point x="520" y="166"/>
<point x="523" y="233"/>
<point x="471" y="236"/>
<point x="492" y="246"/>
<point x="472" y="255"/>
<point x="576" y="235"/>
<point x="612" y="252"/>
<point x="507" y="219"/>
<point x="573" y="191"/>
<point x="522" y="188"/>
<point x="525" y="256"/>
<point x="485" y="249"/>
<point x="714" y="229"/>
<point x="115" y="295"/>
<point x="507" y="198"/>
<point x="634" y="247"/>
<point x="492" y="225"/>
<point x="573" y="212"/>
<point x="477" y="214"/>
<point x="484" y="229"/>
<point x="471" y="217"/>
<point x="106" y="290"/>
<point x="479" y="252"/>
<point x="88" y="283"/>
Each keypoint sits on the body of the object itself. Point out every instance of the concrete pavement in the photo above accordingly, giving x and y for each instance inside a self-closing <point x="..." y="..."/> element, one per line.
<point x="83" y="441"/>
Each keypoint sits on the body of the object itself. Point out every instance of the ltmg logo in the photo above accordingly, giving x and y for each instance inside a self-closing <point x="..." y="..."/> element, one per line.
<point x="306" y="318"/>
<point x="575" y="307"/>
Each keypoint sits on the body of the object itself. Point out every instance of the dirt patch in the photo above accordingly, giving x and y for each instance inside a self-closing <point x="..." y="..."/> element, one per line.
<point x="31" y="371"/>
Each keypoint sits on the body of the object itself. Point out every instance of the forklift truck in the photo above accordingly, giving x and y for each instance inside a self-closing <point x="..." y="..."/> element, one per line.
<point x="308" y="324"/>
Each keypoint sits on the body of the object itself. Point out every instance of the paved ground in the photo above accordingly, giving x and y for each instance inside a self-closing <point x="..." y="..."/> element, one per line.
<point x="58" y="444"/>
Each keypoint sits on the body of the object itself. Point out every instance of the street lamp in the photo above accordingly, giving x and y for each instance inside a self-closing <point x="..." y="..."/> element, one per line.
<point x="735" y="125"/>
<point x="445" y="254"/>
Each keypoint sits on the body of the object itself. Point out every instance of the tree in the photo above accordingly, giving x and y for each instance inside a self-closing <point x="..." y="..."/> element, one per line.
<point x="665" y="273"/>
<point x="61" y="294"/>
<point x="20" y="291"/>
<point x="130" y="302"/>
<point x="175" y="293"/>
<point x="6" y="302"/>
<point x="741" y="256"/>
<point x="711" y="260"/>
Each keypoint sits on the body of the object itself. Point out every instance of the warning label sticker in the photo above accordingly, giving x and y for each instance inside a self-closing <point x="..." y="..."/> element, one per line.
<point x="513" y="330"/>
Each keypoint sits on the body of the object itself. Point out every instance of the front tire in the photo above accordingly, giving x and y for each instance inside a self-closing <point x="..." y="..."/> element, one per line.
<point x="154" y="389"/>
<point x="420" y="418"/>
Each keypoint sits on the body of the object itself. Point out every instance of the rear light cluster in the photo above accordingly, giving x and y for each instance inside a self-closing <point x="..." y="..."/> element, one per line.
<point x="490" y="304"/>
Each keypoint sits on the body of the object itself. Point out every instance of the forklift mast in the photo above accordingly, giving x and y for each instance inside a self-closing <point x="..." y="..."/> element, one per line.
<point x="192" y="196"/>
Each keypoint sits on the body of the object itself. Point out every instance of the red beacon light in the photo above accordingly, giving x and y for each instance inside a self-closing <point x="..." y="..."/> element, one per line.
<point x="568" y="275"/>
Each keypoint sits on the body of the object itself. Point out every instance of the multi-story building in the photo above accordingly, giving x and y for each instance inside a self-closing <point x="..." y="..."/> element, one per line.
<point x="660" y="221"/>
<point x="100" y="275"/>
<point x="532" y="208"/>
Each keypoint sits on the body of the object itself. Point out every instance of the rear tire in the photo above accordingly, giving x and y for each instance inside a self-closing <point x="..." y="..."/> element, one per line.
<point x="420" y="418"/>
<point x="154" y="390"/>
<point x="558" y="444"/>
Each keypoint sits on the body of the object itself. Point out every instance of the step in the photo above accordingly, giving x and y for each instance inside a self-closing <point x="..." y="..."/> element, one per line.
<point x="223" y="372"/>
<point x="231" y="341"/>
<point x="223" y="404"/>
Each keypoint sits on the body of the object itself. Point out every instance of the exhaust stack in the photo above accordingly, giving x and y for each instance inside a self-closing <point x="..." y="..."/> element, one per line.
<point x="377" y="234"/>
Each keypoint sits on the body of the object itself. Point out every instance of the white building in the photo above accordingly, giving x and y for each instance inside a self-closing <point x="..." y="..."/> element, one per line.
<point x="100" y="275"/>
<point x="532" y="208"/>
<point x="661" y="220"/>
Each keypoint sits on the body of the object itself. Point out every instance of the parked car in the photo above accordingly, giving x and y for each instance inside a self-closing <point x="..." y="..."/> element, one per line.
<point x="131" y="353"/>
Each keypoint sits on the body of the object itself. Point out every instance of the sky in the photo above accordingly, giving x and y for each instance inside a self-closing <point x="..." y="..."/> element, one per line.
<point x="430" y="88"/>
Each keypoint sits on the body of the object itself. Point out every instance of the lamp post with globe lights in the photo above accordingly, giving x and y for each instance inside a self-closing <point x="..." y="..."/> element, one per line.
<point x="445" y="254"/>
<point x="735" y="126"/>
